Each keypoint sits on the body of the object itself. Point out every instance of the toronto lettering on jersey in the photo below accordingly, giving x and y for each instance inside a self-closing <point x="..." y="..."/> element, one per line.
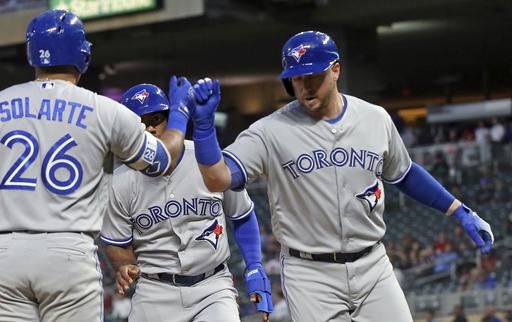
<point x="58" y="110"/>
<point x="339" y="157"/>
<point x="173" y="209"/>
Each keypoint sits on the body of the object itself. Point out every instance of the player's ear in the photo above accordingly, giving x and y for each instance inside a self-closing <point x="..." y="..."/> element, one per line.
<point x="336" y="70"/>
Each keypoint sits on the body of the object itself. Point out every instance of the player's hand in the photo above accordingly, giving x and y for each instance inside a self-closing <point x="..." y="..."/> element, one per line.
<point x="126" y="275"/>
<point x="479" y="230"/>
<point x="207" y="99"/>
<point x="181" y="96"/>
<point x="259" y="290"/>
<point x="256" y="298"/>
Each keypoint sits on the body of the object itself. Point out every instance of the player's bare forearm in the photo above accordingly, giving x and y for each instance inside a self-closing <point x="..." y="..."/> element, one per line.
<point x="216" y="177"/>
<point x="123" y="261"/>
<point x="120" y="255"/>
<point x="173" y="140"/>
<point x="455" y="204"/>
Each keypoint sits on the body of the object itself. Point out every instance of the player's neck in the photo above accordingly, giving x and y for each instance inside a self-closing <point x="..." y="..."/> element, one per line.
<point x="66" y="73"/>
<point x="65" y="77"/>
<point x="333" y="109"/>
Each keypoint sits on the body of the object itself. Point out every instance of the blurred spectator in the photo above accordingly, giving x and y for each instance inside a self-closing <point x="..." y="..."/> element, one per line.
<point x="497" y="131"/>
<point x="441" y="242"/>
<point x="121" y="307"/>
<point x="453" y="171"/>
<point x="485" y="193"/>
<point x="392" y="252"/>
<point x="280" y="309"/>
<point x="458" y="313"/>
<point x="488" y="261"/>
<point x="272" y="266"/>
<point x="506" y="230"/>
<point x="453" y="136"/>
<point x="264" y="235"/>
<point x="490" y="314"/>
<point x="427" y="255"/>
<point x="445" y="260"/>
<point x="465" y="281"/>
<point x="497" y="135"/>
<point x="481" y="280"/>
<point x="430" y="316"/>
<point x="501" y="193"/>
<point x="440" y="170"/>
<point x="482" y="133"/>
<point x="406" y="243"/>
<point x="468" y="135"/>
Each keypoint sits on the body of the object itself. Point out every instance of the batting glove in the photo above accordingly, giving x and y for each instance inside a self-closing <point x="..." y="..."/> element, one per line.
<point x="182" y="101"/>
<point x="258" y="282"/>
<point x="476" y="227"/>
<point x="207" y="98"/>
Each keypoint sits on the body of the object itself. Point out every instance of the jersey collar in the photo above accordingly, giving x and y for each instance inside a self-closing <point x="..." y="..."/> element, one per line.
<point x="338" y="118"/>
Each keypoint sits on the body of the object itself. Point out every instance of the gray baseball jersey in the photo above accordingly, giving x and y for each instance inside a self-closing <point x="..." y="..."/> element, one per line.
<point x="324" y="178"/>
<point x="175" y="224"/>
<point x="56" y="140"/>
<point x="324" y="182"/>
<point x="56" y="143"/>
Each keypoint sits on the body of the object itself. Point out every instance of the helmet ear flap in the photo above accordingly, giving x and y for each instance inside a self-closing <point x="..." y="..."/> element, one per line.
<point x="288" y="86"/>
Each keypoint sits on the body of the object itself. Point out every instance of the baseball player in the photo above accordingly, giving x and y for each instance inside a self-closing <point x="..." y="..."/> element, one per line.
<point x="325" y="157"/>
<point x="57" y="141"/>
<point x="172" y="233"/>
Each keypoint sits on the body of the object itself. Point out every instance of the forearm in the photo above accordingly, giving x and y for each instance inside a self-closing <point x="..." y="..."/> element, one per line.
<point x="420" y="186"/>
<point x="247" y="236"/>
<point x="216" y="177"/>
<point x="173" y="140"/>
<point x="120" y="255"/>
<point x="455" y="204"/>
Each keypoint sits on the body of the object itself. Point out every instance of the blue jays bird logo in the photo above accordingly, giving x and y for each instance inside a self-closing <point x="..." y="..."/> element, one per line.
<point x="141" y="96"/>
<point x="297" y="52"/>
<point x="211" y="234"/>
<point x="371" y="196"/>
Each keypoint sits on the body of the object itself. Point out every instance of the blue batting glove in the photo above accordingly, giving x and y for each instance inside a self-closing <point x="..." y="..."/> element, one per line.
<point x="476" y="227"/>
<point x="182" y="101"/>
<point x="181" y="96"/>
<point x="258" y="282"/>
<point x="207" y="100"/>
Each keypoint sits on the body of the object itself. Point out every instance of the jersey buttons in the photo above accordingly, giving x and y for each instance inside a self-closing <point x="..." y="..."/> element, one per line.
<point x="179" y="231"/>
<point x="334" y="131"/>
<point x="171" y="195"/>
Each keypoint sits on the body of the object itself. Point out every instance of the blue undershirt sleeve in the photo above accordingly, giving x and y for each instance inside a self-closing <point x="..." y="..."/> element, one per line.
<point x="237" y="177"/>
<point x="247" y="236"/>
<point x="420" y="186"/>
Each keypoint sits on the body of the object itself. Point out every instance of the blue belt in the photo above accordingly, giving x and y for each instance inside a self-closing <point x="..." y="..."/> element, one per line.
<point x="182" y="280"/>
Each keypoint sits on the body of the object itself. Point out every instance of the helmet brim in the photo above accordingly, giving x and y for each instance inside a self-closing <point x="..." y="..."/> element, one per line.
<point x="305" y="69"/>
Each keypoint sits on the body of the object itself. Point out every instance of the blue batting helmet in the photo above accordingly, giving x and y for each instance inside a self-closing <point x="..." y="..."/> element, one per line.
<point x="145" y="98"/>
<point x="57" y="37"/>
<point x="308" y="52"/>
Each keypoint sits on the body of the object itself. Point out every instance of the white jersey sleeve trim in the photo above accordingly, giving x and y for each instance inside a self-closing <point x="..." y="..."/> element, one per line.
<point x="401" y="177"/>
<point x="116" y="242"/>
<point x="238" y="162"/>
<point x="245" y="214"/>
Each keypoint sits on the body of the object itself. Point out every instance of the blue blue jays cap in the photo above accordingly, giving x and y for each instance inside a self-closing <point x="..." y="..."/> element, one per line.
<point x="57" y="37"/>
<point x="145" y="98"/>
<point x="308" y="52"/>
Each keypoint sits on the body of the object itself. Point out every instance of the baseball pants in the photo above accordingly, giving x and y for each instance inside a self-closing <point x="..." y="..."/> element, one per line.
<point x="362" y="291"/>
<point x="49" y="277"/>
<point x="211" y="300"/>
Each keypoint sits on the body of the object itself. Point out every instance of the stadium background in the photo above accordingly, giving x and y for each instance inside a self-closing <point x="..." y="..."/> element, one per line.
<point x="438" y="66"/>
